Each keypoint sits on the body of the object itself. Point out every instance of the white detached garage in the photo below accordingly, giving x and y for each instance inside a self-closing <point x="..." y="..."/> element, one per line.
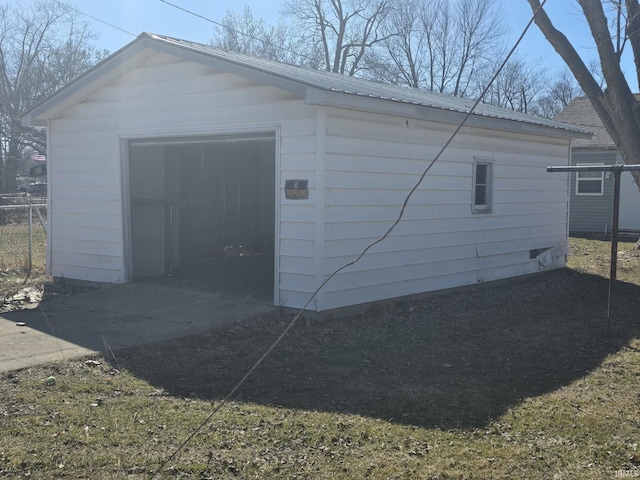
<point x="176" y="157"/>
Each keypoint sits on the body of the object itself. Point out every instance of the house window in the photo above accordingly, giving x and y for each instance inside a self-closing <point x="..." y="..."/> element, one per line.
<point x="482" y="185"/>
<point x="590" y="183"/>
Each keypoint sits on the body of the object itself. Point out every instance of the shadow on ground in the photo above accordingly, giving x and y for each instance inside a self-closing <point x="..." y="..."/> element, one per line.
<point x="452" y="361"/>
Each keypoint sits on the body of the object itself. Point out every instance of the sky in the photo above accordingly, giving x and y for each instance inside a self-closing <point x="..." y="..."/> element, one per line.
<point x="156" y="16"/>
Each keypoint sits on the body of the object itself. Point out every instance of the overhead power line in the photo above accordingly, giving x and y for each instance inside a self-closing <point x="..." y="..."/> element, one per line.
<point x="239" y="32"/>
<point x="95" y="18"/>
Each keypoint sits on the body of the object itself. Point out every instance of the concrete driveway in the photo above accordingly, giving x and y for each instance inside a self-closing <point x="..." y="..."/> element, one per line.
<point x="115" y="317"/>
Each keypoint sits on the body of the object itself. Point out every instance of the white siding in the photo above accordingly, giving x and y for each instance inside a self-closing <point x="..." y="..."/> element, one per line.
<point x="167" y="97"/>
<point x="359" y="166"/>
<point x="371" y="163"/>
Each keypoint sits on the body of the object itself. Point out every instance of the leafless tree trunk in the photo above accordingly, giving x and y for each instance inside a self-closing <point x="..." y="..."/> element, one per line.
<point x="616" y="105"/>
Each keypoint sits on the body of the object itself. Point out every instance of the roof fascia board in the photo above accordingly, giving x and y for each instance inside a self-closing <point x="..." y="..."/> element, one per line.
<point x="102" y="74"/>
<point x="438" y="115"/>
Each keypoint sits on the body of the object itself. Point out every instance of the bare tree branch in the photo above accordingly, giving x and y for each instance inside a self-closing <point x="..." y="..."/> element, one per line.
<point x="616" y="106"/>
<point x="345" y="30"/>
<point x="43" y="46"/>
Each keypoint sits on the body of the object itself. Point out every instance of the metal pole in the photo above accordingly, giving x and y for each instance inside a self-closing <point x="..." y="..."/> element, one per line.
<point x="171" y="239"/>
<point x="617" y="170"/>
<point x="30" y="237"/>
<point x="614" y="246"/>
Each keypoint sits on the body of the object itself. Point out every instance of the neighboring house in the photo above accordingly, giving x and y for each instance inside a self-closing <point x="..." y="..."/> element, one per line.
<point x="591" y="204"/>
<point x="170" y="154"/>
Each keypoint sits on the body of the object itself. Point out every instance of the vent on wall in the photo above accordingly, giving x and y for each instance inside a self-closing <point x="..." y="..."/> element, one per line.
<point x="535" y="252"/>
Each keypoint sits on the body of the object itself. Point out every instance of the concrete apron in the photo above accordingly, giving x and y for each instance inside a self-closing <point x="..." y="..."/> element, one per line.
<point x="114" y="317"/>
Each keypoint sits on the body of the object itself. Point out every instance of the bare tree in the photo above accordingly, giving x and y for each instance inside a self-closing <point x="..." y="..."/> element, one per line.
<point x="401" y="57"/>
<point x="479" y="26"/>
<point x="520" y="86"/>
<point x="562" y="90"/>
<point x="612" y="30"/>
<point x="246" y="34"/>
<point x="344" y="31"/>
<point x="439" y="45"/>
<point x="42" y="47"/>
<point x="441" y="42"/>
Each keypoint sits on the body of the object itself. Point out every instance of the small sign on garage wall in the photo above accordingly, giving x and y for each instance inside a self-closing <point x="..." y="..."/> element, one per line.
<point x="296" y="189"/>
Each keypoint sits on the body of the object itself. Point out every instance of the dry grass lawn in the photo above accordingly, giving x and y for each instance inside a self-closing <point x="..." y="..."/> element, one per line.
<point x="517" y="380"/>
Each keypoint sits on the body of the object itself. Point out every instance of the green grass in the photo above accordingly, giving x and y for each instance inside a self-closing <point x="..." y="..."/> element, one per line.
<point x="512" y="381"/>
<point x="593" y="255"/>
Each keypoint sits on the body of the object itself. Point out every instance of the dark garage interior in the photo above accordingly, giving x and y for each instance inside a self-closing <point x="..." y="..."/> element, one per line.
<point x="203" y="213"/>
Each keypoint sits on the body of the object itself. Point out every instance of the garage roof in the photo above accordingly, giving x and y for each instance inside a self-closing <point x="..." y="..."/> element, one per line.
<point x="317" y="87"/>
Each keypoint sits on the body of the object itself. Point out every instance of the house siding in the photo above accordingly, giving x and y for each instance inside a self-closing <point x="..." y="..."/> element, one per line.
<point x="360" y="167"/>
<point x="591" y="213"/>
<point x="629" y="219"/>
<point x="372" y="161"/>
<point x="168" y="97"/>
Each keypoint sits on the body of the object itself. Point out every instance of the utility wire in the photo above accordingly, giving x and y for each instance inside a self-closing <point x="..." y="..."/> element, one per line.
<point x="239" y="32"/>
<point x="359" y="257"/>
<point x="94" y="18"/>
<point x="190" y="12"/>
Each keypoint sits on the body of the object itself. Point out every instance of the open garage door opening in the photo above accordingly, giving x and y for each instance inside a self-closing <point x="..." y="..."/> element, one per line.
<point x="203" y="213"/>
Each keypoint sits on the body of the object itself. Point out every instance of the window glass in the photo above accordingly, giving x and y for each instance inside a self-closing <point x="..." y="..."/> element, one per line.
<point x="589" y="183"/>
<point x="481" y="173"/>
<point x="590" y="186"/>
<point x="482" y="185"/>
<point x="481" y="195"/>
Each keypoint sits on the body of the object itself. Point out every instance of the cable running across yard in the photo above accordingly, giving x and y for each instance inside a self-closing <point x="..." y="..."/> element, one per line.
<point x="356" y="259"/>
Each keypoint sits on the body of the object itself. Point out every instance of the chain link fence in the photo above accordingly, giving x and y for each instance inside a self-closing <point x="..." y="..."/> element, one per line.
<point x="23" y="237"/>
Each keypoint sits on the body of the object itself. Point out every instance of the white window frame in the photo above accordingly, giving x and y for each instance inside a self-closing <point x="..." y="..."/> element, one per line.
<point x="488" y="206"/>
<point x="590" y="179"/>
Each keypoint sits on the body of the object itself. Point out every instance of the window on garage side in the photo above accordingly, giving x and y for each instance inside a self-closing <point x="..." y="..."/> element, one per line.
<point x="590" y="183"/>
<point x="482" y="185"/>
